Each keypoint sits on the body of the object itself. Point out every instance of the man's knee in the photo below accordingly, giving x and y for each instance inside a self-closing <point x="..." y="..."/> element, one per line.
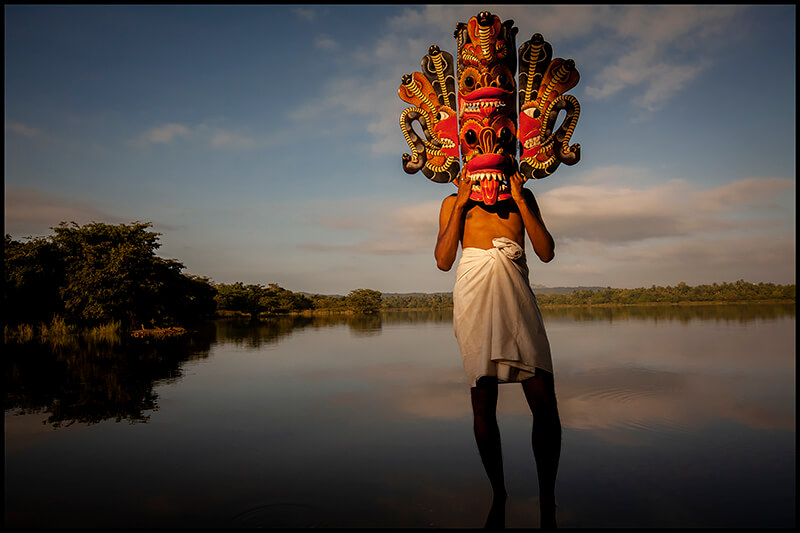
<point x="540" y="392"/>
<point x="484" y="397"/>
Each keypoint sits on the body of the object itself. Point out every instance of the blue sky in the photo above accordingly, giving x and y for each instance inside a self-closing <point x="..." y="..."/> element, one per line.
<point x="263" y="142"/>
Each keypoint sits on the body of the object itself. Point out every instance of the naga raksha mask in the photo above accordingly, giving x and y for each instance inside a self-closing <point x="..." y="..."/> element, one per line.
<point x="481" y="121"/>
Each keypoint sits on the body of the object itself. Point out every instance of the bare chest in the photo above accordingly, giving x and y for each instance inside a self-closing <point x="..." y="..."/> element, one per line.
<point x="481" y="225"/>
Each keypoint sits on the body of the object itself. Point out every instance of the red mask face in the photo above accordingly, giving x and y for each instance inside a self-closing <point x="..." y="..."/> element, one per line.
<point x="486" y="110"/>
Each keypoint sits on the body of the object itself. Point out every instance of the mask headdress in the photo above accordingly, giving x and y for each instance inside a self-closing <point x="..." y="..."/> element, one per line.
<point x="433" y="97"/>
<point x="542" y="84"/>
<point x="482" y="123"/>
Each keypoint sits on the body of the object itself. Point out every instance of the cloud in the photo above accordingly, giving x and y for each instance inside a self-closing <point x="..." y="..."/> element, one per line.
<point x="324" y="42"/>
<point x="664" y="50"/>
<point x="304" y="13"/>
<point x="654" y="51"/>
<point x="392" y="230"/>
<point x="617" y="214"/>
<point x="163" y="134"/>
<point x="23" y="129"/>
<point x="227" y="139"/>
<point x="618" y="235"/>
<point x="30" y="212"/>
<point x="593" y="213"/>
<point x="213" y="136"/>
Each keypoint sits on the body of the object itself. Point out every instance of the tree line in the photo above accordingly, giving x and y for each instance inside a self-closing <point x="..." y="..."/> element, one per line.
<point x="739" y="291"/>
<point x="99" y="274"/>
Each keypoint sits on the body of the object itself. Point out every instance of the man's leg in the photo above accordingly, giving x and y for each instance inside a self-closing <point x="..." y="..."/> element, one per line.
<point x="487" y="432"/>
<point x="545" y="439"/>
<point x="487" y="436"/>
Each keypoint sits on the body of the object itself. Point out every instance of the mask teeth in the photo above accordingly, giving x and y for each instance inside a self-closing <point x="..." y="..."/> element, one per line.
<point x="479" y="176"/>
<point x="478" y="105"/>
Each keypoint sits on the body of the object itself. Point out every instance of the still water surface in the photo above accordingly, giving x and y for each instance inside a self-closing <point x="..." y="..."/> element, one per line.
<point x="672" y="417"/>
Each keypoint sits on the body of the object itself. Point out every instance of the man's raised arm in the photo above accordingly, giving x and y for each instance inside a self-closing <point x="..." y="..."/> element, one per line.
<point x="543" y="243"/>
<point x="451" y="226"/>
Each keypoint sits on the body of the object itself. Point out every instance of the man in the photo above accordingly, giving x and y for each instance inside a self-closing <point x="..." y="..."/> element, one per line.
<point x="498" y="325"/>
<point x="470" y="104"/>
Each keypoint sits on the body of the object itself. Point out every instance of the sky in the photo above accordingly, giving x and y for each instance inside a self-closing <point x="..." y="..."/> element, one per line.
<point x="263" y="141"/>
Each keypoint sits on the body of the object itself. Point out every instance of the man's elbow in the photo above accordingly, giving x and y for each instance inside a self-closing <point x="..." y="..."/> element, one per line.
<point x="443" y="263"/>
<point x="444" y="267"/>
<point x="548" y="256"/>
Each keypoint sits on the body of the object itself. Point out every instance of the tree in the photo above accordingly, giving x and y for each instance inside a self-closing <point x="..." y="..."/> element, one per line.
<point x="100" y="273"/>
<point x="34" y="272"/>
<point x="255" y="299"/>
<point x="364" y="301"/>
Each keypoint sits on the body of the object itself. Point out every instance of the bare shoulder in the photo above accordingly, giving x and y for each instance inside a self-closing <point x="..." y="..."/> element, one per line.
<point x="448" y="201"/>
<point x="450" y="198"/>
<point x="530" y="199"/>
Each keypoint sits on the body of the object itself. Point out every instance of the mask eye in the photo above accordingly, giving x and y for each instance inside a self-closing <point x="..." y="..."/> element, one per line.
<point x="502" y="78"/>
<point x="506" y="136"/>
<point x="470" y="80"/>
<point x="470" y="136"/>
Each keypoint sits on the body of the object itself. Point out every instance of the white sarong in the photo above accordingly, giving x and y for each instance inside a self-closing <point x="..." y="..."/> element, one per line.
<point x="495" y="316"/>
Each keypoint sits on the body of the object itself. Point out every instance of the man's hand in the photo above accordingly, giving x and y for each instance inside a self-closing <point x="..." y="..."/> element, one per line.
<point x="464" y="188"/>
<point x="517" y="191"/>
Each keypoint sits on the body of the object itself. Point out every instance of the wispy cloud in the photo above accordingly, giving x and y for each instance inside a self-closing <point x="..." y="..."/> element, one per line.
<point x="228" y="139"/>
<point x="215" y="137"/>
<point x="655" y="51"/>
<point x="675" y="208"/>
<point x="392" y="230"/>
<point x="163" y="134"/>
<point x="663" y="50"/>
<point x="618" y="234"/>
<point x="31" y="212"/>
<point x="25" y="130"/>
<point x="323" y="42"/>
<point x="305" y="13"/>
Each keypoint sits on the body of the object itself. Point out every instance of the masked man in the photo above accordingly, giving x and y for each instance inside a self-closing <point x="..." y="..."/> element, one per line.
<point x="496" y="318"/>
<point x="472" y="110"/>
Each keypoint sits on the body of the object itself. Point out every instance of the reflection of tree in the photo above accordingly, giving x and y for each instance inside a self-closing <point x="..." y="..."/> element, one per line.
<point x="81" y="379"/>
<point x="683" y="313"/>
<point x="364" y="325"/>
<point x="422" y="315"/>
<point x="271" y="330"/>
<point x="256" y="334"/>
<point x="79" y="382"/>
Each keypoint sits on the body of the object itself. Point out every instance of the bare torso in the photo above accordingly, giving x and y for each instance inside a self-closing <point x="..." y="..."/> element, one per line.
<point x="473" y="225"/>
<point x="483" y="223"/>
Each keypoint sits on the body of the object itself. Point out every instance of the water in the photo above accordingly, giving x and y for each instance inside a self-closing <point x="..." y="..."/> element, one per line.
<point x="672" y="417"/>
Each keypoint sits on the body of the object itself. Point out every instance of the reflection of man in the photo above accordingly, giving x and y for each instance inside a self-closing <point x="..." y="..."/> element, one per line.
<point x="495" y="316"/>
<point x="498" y="325"/>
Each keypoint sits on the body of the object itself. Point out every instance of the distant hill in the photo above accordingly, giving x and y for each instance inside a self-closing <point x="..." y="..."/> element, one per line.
<point x="538" y="289"/>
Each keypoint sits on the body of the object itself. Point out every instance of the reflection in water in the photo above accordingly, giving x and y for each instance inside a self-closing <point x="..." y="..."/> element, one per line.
<point x="364" y="325"/>
<point x="89" y="381"/>
<point x="682" y="313"/>
<point x="75" y="379"/>
<point x="78" y="382"/>
<point x="270" y="331"/>
<point x="666" y="423"/>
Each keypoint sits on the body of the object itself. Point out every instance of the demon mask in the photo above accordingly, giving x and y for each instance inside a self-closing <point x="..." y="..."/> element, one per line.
<point x="484" y="127"/>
